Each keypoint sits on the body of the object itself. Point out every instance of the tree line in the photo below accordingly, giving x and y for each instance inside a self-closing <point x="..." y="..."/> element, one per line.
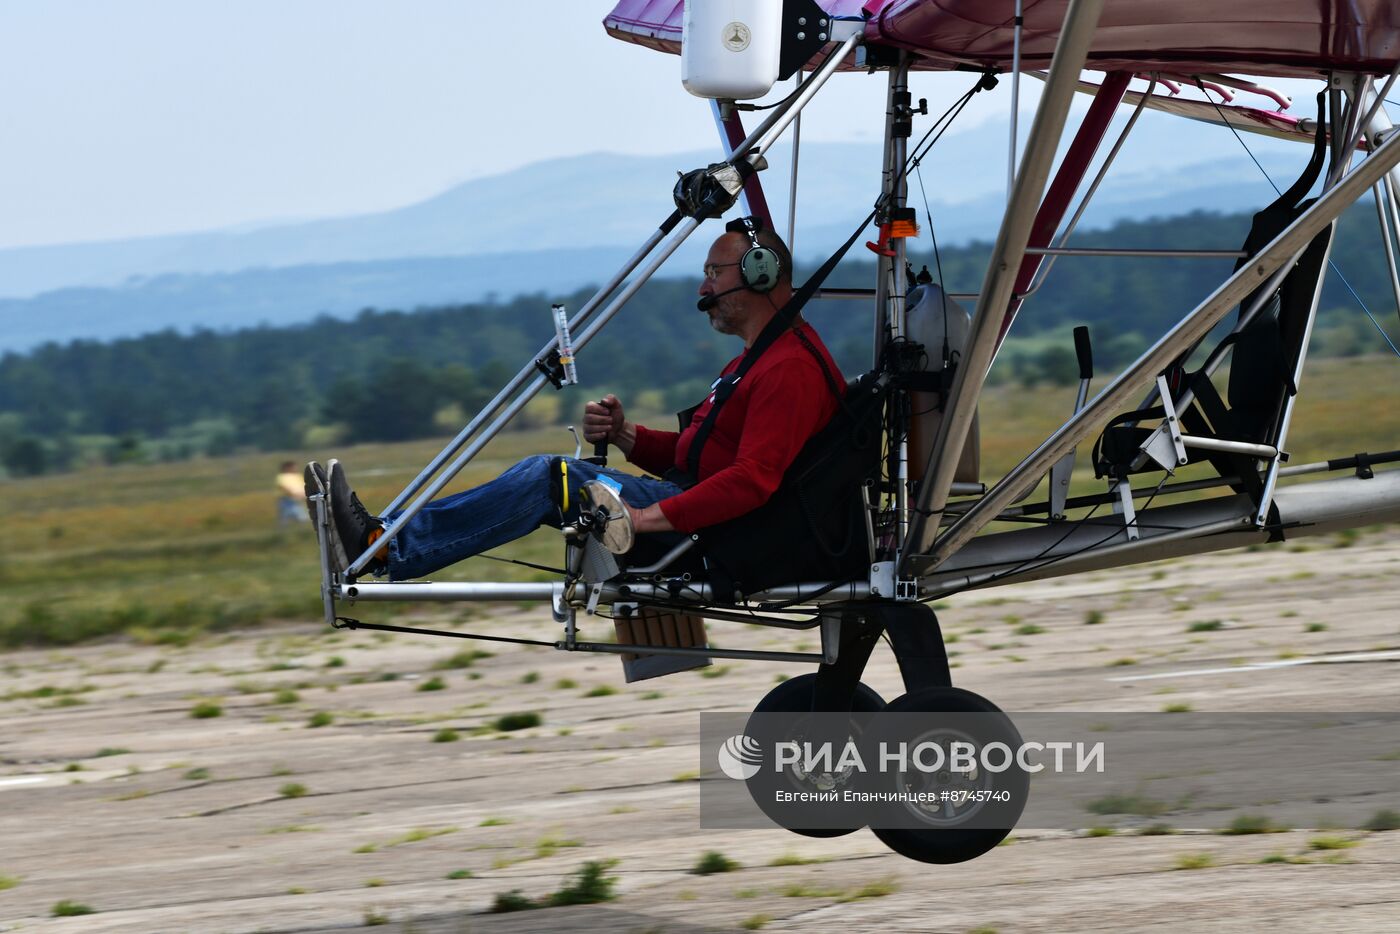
<point x="386" y="375"/>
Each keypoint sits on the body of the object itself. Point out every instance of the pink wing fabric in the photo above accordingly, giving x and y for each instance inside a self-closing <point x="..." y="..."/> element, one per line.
<point x="1283" y="38"/>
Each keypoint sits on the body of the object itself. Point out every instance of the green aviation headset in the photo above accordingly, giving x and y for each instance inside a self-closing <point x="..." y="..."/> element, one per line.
<point x="759" y="267"/>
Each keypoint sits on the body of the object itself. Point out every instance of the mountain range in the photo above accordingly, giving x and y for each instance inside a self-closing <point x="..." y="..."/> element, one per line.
<point x="551" y="227"/>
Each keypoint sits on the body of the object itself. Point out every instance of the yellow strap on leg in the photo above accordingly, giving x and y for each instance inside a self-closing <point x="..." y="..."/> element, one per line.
<point x="564" y="483"/>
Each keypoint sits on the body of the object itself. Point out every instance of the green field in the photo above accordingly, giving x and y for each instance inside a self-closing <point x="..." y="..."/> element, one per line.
<point x="168" y="551"/>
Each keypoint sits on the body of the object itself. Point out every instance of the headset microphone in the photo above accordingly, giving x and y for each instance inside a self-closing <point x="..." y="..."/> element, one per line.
<point x="709" y="301"/>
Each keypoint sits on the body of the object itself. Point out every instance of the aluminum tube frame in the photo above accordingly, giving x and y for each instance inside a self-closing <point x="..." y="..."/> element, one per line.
<point x="1195" y="325"/>
<point x="1380" y="193"/>
<point x="731" y="134"/>
<point x="1045" y="268"/>
<point x="683" y="230"/>
<point x="1150" y="253"/>
<point x="792" y="181"/>
<point x="520" y="378"/>
<point x="1357" y="100"/>
<point x="896" y="309"/>
<point x="773" y="126"/>
<point x="773" y="119"/>
<point x="1071" y="49"/>
<point x="1017" y="25"/>
<point x="1065" y="182"/>
<point x="1308" y="509"/>
<point x="1232" y="447"/>
<point x="887" y="184"/>
<point x="447" y="591"/>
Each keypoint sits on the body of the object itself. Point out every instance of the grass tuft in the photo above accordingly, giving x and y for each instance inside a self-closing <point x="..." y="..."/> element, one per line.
<point x="69" y="909"/>
<point x="319" y="719"/>
<point x="713" y="862"/>
<point x="445" y="735"/>
<point x="1195" y="861"/>
<point x="292" y="790"/>
<point x="517" y="721"/>
<point x="1383" y="820"/>
<point x="1251" y="824"/>
<point x="205" y="710"/>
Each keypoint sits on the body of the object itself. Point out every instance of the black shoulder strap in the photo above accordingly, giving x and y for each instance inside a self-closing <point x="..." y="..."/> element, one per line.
<point x="782" y="321"/>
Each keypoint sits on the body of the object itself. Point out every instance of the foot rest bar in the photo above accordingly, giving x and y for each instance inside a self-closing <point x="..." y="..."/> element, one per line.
<point x="447" y="591"/>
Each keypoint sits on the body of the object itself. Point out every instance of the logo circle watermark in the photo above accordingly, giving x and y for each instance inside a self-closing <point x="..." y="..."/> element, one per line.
<point x="740" y="757"/>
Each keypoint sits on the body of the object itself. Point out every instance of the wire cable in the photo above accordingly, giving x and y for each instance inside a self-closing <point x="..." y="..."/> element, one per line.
<point x="1330" y="262"/>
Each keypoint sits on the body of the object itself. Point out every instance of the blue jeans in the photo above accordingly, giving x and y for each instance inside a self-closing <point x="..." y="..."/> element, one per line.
<point x="512" y="506"/>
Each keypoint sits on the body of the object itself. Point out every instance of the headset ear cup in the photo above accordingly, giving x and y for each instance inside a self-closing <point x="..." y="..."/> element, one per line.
<point x="760" y="269"/>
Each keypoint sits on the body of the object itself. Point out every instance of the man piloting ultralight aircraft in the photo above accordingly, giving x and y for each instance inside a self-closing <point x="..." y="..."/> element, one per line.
<point x="737" y="458"/>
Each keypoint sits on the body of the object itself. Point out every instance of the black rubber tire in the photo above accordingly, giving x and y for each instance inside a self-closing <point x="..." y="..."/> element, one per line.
<point x="795" y="696"/>
<point x="950" y="845"/>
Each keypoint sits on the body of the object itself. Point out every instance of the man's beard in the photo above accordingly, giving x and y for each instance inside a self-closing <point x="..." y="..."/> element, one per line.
<point x="723" y="320"/>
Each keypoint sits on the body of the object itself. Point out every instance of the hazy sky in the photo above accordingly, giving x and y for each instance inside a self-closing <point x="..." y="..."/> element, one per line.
<point x="143" y="117"/>
<point x="153" y="116"/>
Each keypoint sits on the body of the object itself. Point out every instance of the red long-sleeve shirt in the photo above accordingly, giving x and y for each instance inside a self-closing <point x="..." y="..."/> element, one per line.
<point x="780" y="403"/>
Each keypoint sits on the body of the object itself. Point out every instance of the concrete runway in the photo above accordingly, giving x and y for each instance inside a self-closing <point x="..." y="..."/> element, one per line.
<point x="196" y="825"/>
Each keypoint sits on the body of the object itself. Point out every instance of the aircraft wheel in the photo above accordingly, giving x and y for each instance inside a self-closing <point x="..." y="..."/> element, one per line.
<point x="942" y="840"/>
<point x="795" y="696"/>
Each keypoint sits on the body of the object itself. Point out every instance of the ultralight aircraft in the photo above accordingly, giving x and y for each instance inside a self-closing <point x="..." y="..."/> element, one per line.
<point x="885" y="510"/>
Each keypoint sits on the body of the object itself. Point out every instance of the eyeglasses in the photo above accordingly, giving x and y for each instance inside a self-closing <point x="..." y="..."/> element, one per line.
<point x="712" y="269"/>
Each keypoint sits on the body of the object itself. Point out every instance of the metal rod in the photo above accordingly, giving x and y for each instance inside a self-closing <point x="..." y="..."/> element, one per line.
<point x="529" y="370"/>
<point x="668" y="557"/>
<point x="682" y="231"/>
<point x="888" y="173"/>
<point x="1081" y="19"/>
<point x="847" y="294"/>
<point x="792" y="183"/>
<point x="430" y="591"/>
<point x="1375" y="107"/>
<point x="1093" y="189"/>
<point x="897" y="310"/>
<point x="1017" y="25"/>
<point x="1155" y="253"/>
<point x="1171" y="489"/>
<point x="1234" y="447"/>
<point x="1292" y="239"/>
<point x="731" y="134"/>
<point x="1383" y="218"/>
<point x="768" y="132"/>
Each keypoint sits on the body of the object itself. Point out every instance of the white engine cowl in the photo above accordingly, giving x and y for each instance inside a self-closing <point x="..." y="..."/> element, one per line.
<point x="730" y="48"/>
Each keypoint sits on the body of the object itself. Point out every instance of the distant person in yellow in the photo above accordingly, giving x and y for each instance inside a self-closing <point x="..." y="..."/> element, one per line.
<point x="291" y="495"/>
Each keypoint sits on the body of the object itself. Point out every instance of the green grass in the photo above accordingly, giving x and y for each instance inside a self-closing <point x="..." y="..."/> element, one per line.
<point x="292" y="790"/>
<point x="69" y="909"/>
<point x="446" y="735"/>
<point x="463" y="659"/>
<point x="8" y="882"/>
<point x="602" y="690"/>
<point x="1195" y="861"/>
<point x="517" y="721"/>
<point x="171" y="552"/>
<point x="1332" y="843"/>
<point x="196" y="775"/>
<point x="319" y="719"/>
<point x="461" y="874"/>
<point x="1383" y="820"/>
<point x="432" y="684"/>
<point x="1251" y="824"/>
<point x="204" y="710"/>
<point x="1208" y="625"/>
<point x="1138" y="804"/>
<point x="713" y="862"/>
